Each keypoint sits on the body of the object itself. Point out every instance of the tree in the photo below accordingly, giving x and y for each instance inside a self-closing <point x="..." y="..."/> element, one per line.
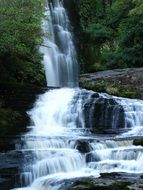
<point x="111" y="34"/>
<point x="20" y="29"/>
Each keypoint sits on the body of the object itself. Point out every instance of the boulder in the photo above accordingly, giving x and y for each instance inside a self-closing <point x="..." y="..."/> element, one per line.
<point x="120" y="82"/>
<point x="103" y="112"/>
<point x="82" y="146"/>
<point x="138" y="142"/>
<point x="109" y="181"/>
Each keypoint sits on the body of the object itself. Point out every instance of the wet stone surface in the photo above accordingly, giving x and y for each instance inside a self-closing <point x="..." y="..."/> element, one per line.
<point x="112" y="181"/>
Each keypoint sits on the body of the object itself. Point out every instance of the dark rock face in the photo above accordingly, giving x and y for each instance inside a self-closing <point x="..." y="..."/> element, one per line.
<point x="14" y="102"/>
<point x="113" y="181"/>
<point x="82" y="146"/>
<point x="6" y="184"/>
<point x="10" y="163"/>
<point x="120" y="82"/>
<point x="103" y="112"/>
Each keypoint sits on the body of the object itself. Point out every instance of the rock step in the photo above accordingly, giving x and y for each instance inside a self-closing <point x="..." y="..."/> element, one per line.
<point x="128" y="166"/>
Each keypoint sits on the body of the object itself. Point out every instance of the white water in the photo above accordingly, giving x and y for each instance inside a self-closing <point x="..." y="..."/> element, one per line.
<point x="60" y="61"/>
<point x="58" y="123"/>
<point x="133" y="115"/>
<point x="133" y="109"/>
<point x="50" y="148"/>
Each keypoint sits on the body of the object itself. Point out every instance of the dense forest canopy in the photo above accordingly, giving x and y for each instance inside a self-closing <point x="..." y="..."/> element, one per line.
<point x="111" y="34"/>
<point x="20" y="37"/>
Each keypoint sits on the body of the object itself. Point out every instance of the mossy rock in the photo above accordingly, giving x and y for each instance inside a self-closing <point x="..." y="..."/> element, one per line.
<point x="113" y="88"/>
<point x="104" y="184"/>
<point x="138" y="142"/>
<point x="83" y="185"/>
<point x="120" y="186"/>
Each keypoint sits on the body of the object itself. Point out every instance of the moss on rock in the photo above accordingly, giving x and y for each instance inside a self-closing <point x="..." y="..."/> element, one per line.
<point x="83" y="185"/>
<point x="119" y="82"/>
<point x="103" y="185"/>
<point x="116" y="88"/>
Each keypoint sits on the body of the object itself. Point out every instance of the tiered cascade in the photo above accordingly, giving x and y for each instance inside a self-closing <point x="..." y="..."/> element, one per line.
<point x="64" y="142"/>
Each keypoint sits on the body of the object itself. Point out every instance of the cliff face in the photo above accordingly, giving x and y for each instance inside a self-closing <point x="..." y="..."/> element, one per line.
<point x="120" y="82"/>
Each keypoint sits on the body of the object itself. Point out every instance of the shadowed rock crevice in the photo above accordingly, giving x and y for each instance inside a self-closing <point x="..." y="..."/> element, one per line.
<point x="103" y="112"/>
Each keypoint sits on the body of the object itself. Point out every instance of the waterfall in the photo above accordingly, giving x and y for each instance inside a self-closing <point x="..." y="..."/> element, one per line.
<point x="59" y="148"/>
<point x="60" y="60"/>
<point x="133" y="109"/>
<point x="60" y="145"/>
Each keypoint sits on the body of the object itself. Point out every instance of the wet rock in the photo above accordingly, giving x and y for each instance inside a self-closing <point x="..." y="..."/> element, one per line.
<point x="109" y="181"/>
<point x="138" y="142"/>
<point x="103" y="112"/>
<point x="6" y="184"/>
<point x="120" y="82"/>
<point x="82" y="146"/>
<point x="10" y="163"/>
<point x="105" y="185"/>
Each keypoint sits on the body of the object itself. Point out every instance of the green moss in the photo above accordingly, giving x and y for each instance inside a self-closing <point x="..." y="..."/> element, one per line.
<point x="83" y="185"/>
<point x="9" y="117"/>
<point x="101" y="85"/>
<point x="91" y="185"/>
<point x="120" y="186"/>
<point x="113" y="88"/>
<point x="97" y="86"/>
<point x="129" y="91"/>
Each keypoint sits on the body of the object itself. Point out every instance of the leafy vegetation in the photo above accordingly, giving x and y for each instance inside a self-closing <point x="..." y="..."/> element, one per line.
<point x="20" y="29"/>
<point x="116" y="88"/>
<point x="111" y="34"/>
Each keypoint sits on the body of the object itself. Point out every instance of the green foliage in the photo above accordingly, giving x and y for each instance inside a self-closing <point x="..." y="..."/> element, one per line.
<point x="20" y="29"/>
<point x="138" y="9"/>
<point x="112" y="34"/>
<point x="115" y="88"/>
<point x="9" y="117"/>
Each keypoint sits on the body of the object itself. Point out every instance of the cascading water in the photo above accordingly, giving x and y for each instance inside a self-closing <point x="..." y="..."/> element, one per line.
<point x="133" y="116"/>
<point x="60" y="61"/>
<point x="60" y="145"/>
<point x="59" y="148"/>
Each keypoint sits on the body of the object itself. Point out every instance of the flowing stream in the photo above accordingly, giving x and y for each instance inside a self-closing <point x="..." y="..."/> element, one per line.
<point x="60" y="145"/>
<point x="60" y="60"/>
